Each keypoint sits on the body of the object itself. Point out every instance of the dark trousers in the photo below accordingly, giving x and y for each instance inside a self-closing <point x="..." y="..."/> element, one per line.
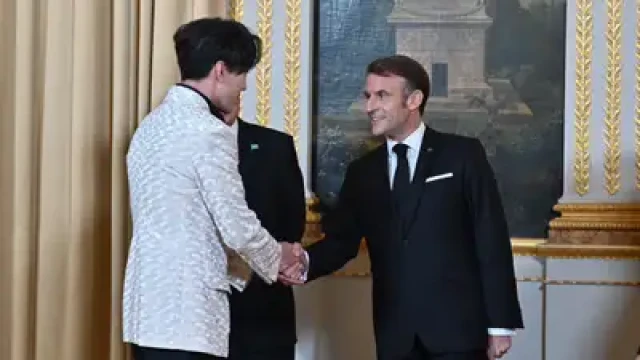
<point x="146" y="353"/>
<point x="239" y="352"/>
<point x="419" y="352"/>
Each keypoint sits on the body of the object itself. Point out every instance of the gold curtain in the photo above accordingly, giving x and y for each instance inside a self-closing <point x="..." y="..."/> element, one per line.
<point x="76" y="76"/>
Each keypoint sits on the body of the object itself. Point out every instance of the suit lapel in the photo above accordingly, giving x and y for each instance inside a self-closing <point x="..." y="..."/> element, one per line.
<point x="381" y="186"/>
<point x="428" y="151"/>
<point x="381" y="177"/>
<point x="380" y="183"/>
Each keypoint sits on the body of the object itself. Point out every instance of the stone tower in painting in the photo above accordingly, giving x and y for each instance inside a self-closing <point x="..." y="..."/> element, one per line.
<point x="448" y="38"/>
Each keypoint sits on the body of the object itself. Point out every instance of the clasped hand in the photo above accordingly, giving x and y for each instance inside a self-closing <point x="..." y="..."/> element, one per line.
<point x="293" y="264"/>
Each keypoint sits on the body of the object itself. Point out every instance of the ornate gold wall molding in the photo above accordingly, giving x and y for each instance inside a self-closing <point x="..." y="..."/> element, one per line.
<point x="313" y="230"/>
<point x="540" y="280"/>
<point x="613" y="97"/>
<point x="585" y="231"/>
<point x="540" y="249"/>
<point x="236" y="9"/>
<point x="637" y="91"/>
<point x="596" y="224"/>
<point x="583" y="252"/>
<point x="615" y="226"/>
<point x="292" y="66"/>
<point x="263" y="70"/>
<point x="592" y="283"/>
<point x="583" y="100"/>
<point x="236" y="12"/>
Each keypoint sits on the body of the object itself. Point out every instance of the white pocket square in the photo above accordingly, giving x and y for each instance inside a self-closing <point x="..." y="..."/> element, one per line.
<point x="438" y="177"/>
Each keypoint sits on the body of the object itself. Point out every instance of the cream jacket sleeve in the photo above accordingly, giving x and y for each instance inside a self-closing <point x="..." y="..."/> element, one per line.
<point x="223" y="193"/>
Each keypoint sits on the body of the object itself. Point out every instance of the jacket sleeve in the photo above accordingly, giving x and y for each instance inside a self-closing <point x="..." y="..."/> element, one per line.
<point x="216" y="167"/>
<point x="292" y="207"/>
<point x="342" y="231"/>
<point x="492" y="241"/>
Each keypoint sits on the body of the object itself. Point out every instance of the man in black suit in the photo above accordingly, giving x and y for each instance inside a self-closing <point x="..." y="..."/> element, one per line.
<point x="428" y="206"/>
<point x="263" y="325"/>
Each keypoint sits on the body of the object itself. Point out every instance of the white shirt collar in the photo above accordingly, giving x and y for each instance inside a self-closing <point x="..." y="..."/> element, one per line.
<point x="414" y="140"/>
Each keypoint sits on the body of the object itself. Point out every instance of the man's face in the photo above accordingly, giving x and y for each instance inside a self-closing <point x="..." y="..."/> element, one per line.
<point x="386" y="105"/>
<point x="228" y="89"/>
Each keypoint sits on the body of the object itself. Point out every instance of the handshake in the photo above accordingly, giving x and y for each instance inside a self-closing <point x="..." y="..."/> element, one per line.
<point x="293" y="264"/>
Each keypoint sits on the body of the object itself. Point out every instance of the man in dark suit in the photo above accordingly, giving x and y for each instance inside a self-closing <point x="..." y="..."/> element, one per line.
<point x="263" y="325"/>
<point x="428" y="206"/>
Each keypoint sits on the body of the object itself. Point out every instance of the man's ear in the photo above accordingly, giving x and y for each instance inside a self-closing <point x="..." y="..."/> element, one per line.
<point x="415" y="99"/>
<point x="218" y="70"/>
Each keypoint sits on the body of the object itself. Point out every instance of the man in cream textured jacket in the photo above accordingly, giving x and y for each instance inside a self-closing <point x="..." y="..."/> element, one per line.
<point x="190" y="218"/>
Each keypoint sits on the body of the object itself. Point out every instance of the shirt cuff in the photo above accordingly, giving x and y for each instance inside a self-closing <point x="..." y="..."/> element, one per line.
<point x="306" y="270"/>
<point x="501" y="332"/>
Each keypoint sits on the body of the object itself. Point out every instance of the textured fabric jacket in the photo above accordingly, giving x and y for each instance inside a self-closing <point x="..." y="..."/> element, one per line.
<point x="191" y="225"/>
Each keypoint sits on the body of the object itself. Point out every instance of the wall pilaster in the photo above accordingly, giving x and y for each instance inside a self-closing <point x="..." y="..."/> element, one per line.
<point x="602" y="126"/>
<point x="278" y="91"/>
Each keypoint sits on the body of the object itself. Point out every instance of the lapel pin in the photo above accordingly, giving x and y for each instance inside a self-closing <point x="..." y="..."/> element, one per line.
<point x="429" y="149"/>
<point x="255" y="146"/>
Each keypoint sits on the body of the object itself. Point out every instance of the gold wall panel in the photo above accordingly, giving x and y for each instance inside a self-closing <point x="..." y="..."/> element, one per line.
<point x="236" y="12"/>
<point x="263" y="70"/>
<point x="292" y="66"/>
<point x="637" y="93"/>
<point x="613" y="97"/>
<point x="236" y="9"/>
<point x="583" y="98"/>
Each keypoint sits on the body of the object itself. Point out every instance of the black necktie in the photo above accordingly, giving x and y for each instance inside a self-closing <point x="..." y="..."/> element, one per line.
<point x="401" y="178"/>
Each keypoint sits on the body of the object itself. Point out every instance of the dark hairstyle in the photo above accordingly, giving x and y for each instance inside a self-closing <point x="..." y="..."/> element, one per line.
<point x="409" y="69"/>
<point x="201" y="43"/>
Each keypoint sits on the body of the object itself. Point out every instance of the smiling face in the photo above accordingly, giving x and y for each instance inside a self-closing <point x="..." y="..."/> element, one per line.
<point x="391" y="106"/>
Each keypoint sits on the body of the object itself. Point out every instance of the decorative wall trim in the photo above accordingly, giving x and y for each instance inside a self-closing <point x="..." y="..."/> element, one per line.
<point x="526" y="247"/>
<point x="540" y="280"/>
<point x="598" y="252"/>
<point x="236" y="9"/>
<point x="592" y="283"/>
<point x="584" y="231"/>
<point x="263" y="70"/>
<point x="600" y="216"/>
<point x="596" y="224"/>
<point x="637" y="91"/>
<point x="583" y="99"/>
<point x="236" y="12"/>
<point x="292" y="66"/>
<point x="613" y="96"/>
<point x="542" y="248"/>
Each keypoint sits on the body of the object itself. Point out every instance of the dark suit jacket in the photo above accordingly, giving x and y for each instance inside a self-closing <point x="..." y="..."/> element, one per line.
<point x="447" y="274"/>
<point x="265" y="315"/>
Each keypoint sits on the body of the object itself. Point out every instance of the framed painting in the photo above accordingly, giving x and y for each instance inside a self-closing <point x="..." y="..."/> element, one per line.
<point x="497" y="73"/>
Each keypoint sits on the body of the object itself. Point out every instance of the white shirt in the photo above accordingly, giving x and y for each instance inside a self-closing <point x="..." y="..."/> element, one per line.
<point x="414" y="141"/>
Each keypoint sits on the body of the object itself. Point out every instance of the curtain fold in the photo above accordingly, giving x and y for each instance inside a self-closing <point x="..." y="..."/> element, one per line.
<point x="76" y="76"/>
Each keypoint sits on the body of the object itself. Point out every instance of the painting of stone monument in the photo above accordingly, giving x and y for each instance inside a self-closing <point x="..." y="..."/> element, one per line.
<point x="497" y="73"/>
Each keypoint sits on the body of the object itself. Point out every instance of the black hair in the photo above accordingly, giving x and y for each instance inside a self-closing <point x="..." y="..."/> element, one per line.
<point x="412" y="71"/>
<point x="201" y="43"/>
